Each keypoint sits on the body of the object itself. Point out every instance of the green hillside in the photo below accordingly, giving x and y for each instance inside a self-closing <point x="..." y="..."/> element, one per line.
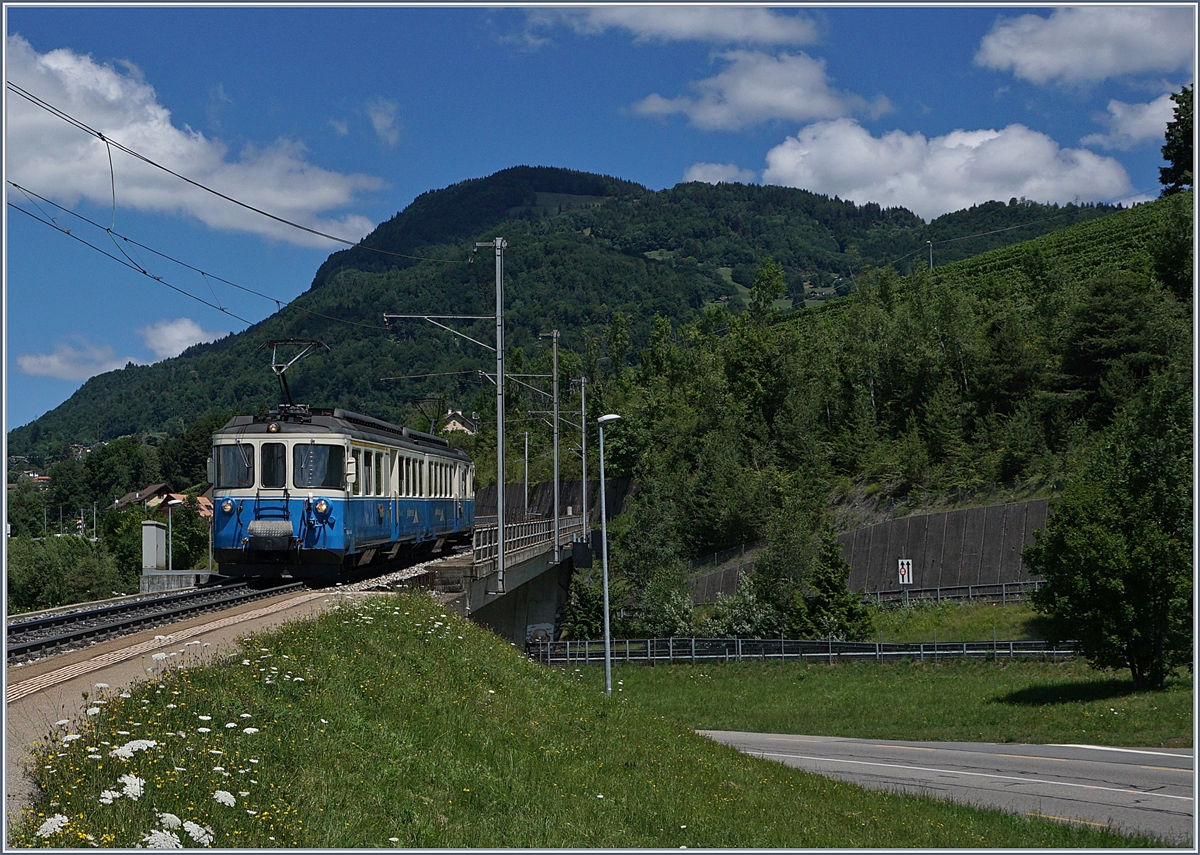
<point x="583" y="249"/>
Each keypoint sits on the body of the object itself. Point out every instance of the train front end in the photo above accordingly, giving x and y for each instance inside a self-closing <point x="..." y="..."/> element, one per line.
<point x="280" y="492"/>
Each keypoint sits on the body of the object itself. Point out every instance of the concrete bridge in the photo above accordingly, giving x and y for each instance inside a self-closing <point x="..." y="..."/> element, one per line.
<point x="535" y="582"/>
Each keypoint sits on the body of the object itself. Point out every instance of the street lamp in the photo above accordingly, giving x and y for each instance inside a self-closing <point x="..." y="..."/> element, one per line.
<point x="602" y="421"/>
<point x="171" y="503"/>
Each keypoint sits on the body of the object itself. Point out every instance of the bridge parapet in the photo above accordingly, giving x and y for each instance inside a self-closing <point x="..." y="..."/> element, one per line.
<point x="522" y="541"/>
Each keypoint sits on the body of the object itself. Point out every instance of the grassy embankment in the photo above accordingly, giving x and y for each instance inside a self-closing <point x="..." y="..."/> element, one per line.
<point x="390" y="724"/>
<point x="955" y="621"/>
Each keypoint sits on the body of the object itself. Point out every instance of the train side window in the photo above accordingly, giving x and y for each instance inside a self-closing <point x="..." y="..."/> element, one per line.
<point x="274" y="464"/>
<point x="316" y="465"/>
<point x="356" y="454"/>
<point x="379" y="491"/>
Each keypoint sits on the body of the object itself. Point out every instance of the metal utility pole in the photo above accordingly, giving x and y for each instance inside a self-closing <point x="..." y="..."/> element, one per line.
<point x="930" y="253"/>
<point x="499" y="244"/>
<point x="602" y="421"/>
<point x="553" y="336"/>
<point x="583" y="445"/>
<point x="527" y="475"/>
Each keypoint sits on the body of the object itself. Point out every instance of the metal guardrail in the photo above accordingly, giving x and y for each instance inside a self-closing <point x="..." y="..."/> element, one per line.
<point x="1001" y="592"/>
<point x="656" y="650"/>
<point x="521" y="537"/>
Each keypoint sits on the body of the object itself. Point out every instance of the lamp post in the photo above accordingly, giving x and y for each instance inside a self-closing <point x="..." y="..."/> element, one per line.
<point x="171" y="503"/>
<point x="602" y="421"/>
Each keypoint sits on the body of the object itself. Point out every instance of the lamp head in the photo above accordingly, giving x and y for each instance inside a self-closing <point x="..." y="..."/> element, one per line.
<point x="607" y="420"/>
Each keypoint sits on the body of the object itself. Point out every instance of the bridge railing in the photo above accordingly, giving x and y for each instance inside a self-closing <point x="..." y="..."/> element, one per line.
<point x="521" y="539"/>
<point x="658" y="650"/>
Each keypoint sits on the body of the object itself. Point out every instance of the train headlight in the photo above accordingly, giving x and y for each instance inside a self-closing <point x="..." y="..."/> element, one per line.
<point x="227" y="506"/>
<point x="322" y="506"/>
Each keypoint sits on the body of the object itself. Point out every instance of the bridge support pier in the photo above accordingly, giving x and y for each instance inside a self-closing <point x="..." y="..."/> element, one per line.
<point x="535" y="592"/>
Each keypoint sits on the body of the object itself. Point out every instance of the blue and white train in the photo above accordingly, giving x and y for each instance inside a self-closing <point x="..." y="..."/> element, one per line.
<point x="311" y="493"/>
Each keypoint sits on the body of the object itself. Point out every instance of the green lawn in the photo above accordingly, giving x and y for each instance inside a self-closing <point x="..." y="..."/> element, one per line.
<point x="391" y="724"/>
<point x="952" y="700"/>
<point x="956" y="621"/>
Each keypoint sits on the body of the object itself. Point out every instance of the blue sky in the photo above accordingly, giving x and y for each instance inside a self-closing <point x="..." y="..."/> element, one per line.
<point x="337" y="118"/>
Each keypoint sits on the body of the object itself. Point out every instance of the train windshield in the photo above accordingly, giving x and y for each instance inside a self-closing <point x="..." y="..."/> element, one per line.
<point x="318" y="465"/>
<point x="274" y="464"/>
<point x="235" y="465"/>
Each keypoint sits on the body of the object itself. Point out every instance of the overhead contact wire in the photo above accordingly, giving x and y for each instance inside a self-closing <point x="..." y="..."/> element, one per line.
<point x="55" y="111"/>
<point x="206" y="274"/>
<point x="128" y="264"/>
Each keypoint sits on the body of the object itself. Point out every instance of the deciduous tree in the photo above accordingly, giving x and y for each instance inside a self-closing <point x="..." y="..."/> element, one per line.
<point x="1117" y="552"/>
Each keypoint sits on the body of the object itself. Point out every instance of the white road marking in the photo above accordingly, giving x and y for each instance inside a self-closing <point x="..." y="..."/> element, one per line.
<point x="977" y="775"/>
<point x="1126" y="750"/>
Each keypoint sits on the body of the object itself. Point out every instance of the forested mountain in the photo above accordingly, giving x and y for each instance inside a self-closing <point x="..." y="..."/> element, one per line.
<point x="593" y="256"/>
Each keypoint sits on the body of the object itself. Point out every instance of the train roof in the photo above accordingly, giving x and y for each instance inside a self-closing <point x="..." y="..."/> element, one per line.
<point x="301" y="418"/>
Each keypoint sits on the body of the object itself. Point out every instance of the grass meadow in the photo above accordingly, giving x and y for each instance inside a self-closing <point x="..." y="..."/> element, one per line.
<point x="388" y="723"/>
<point x="952" y="620"/>
<point x="951" y="700"/>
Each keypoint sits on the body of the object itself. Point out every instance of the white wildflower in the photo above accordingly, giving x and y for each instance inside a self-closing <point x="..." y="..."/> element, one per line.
<point x="204" y="717"/>
<point x="250" y="730"/>
<point x="230" y="724"/>
<point x="245" y="715"/>
<point x="71" y="737"/>
<point x="107" y="797"/>
<point x="133" y="786"/>
<point x="159" y="839"/>
<point x="53" y="825"/>
<point x="62" y="723"/>
<point x="125" y="751"/>
<point x="102" y="685"/>
<point x="93" y="710"/>
<point x="169" y="821"/>
<point x="224" y="797"/>
<point x="158" y="657"/>
<point x="204" y="730"/>
<point x="202" y="834"/>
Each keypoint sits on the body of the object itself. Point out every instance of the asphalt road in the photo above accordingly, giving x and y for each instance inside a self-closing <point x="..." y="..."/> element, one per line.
<point x="1146" y="790"/>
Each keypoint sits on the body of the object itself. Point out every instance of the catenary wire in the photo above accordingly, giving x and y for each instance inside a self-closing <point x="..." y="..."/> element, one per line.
<point x="128" y="264"/>
<point x="207" y="275"/>
<point x="55" y="111"/>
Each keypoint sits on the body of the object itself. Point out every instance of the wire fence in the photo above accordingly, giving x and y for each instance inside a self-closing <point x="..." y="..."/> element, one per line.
<point x="1000" y="592"/>
<point x="668" y="650"/>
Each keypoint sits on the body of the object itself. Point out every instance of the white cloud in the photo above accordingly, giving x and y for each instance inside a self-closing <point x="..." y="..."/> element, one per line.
<point x="171" y="338"/>
<point x="718" y="24"/>
<point x="1130" y="125"/>
<point x="758" y="87"/>
<point x="717" y="173"/>
<point x="340" y="127"/>
<point x="55" y="159"/>
<point x="383" y="119"/>
<point x="1077" y="44"/>
<point x="935" y="176"/>
<point x="74" y="363"/>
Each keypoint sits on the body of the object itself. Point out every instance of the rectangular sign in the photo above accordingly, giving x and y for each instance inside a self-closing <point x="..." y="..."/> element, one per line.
<point x="906" y="574"/>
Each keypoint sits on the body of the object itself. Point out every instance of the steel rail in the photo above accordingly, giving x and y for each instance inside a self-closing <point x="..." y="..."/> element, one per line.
<point x="163" y="609"/>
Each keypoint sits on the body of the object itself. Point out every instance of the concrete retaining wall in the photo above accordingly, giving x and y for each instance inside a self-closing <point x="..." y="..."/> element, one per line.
<point x="975" y="546"/>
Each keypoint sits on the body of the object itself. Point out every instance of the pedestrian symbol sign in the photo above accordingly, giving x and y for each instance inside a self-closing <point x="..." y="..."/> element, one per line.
<point x="906" y="574"/>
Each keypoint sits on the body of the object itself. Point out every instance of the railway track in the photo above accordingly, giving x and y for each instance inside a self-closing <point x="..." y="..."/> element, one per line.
<point x="70" y="629"/>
